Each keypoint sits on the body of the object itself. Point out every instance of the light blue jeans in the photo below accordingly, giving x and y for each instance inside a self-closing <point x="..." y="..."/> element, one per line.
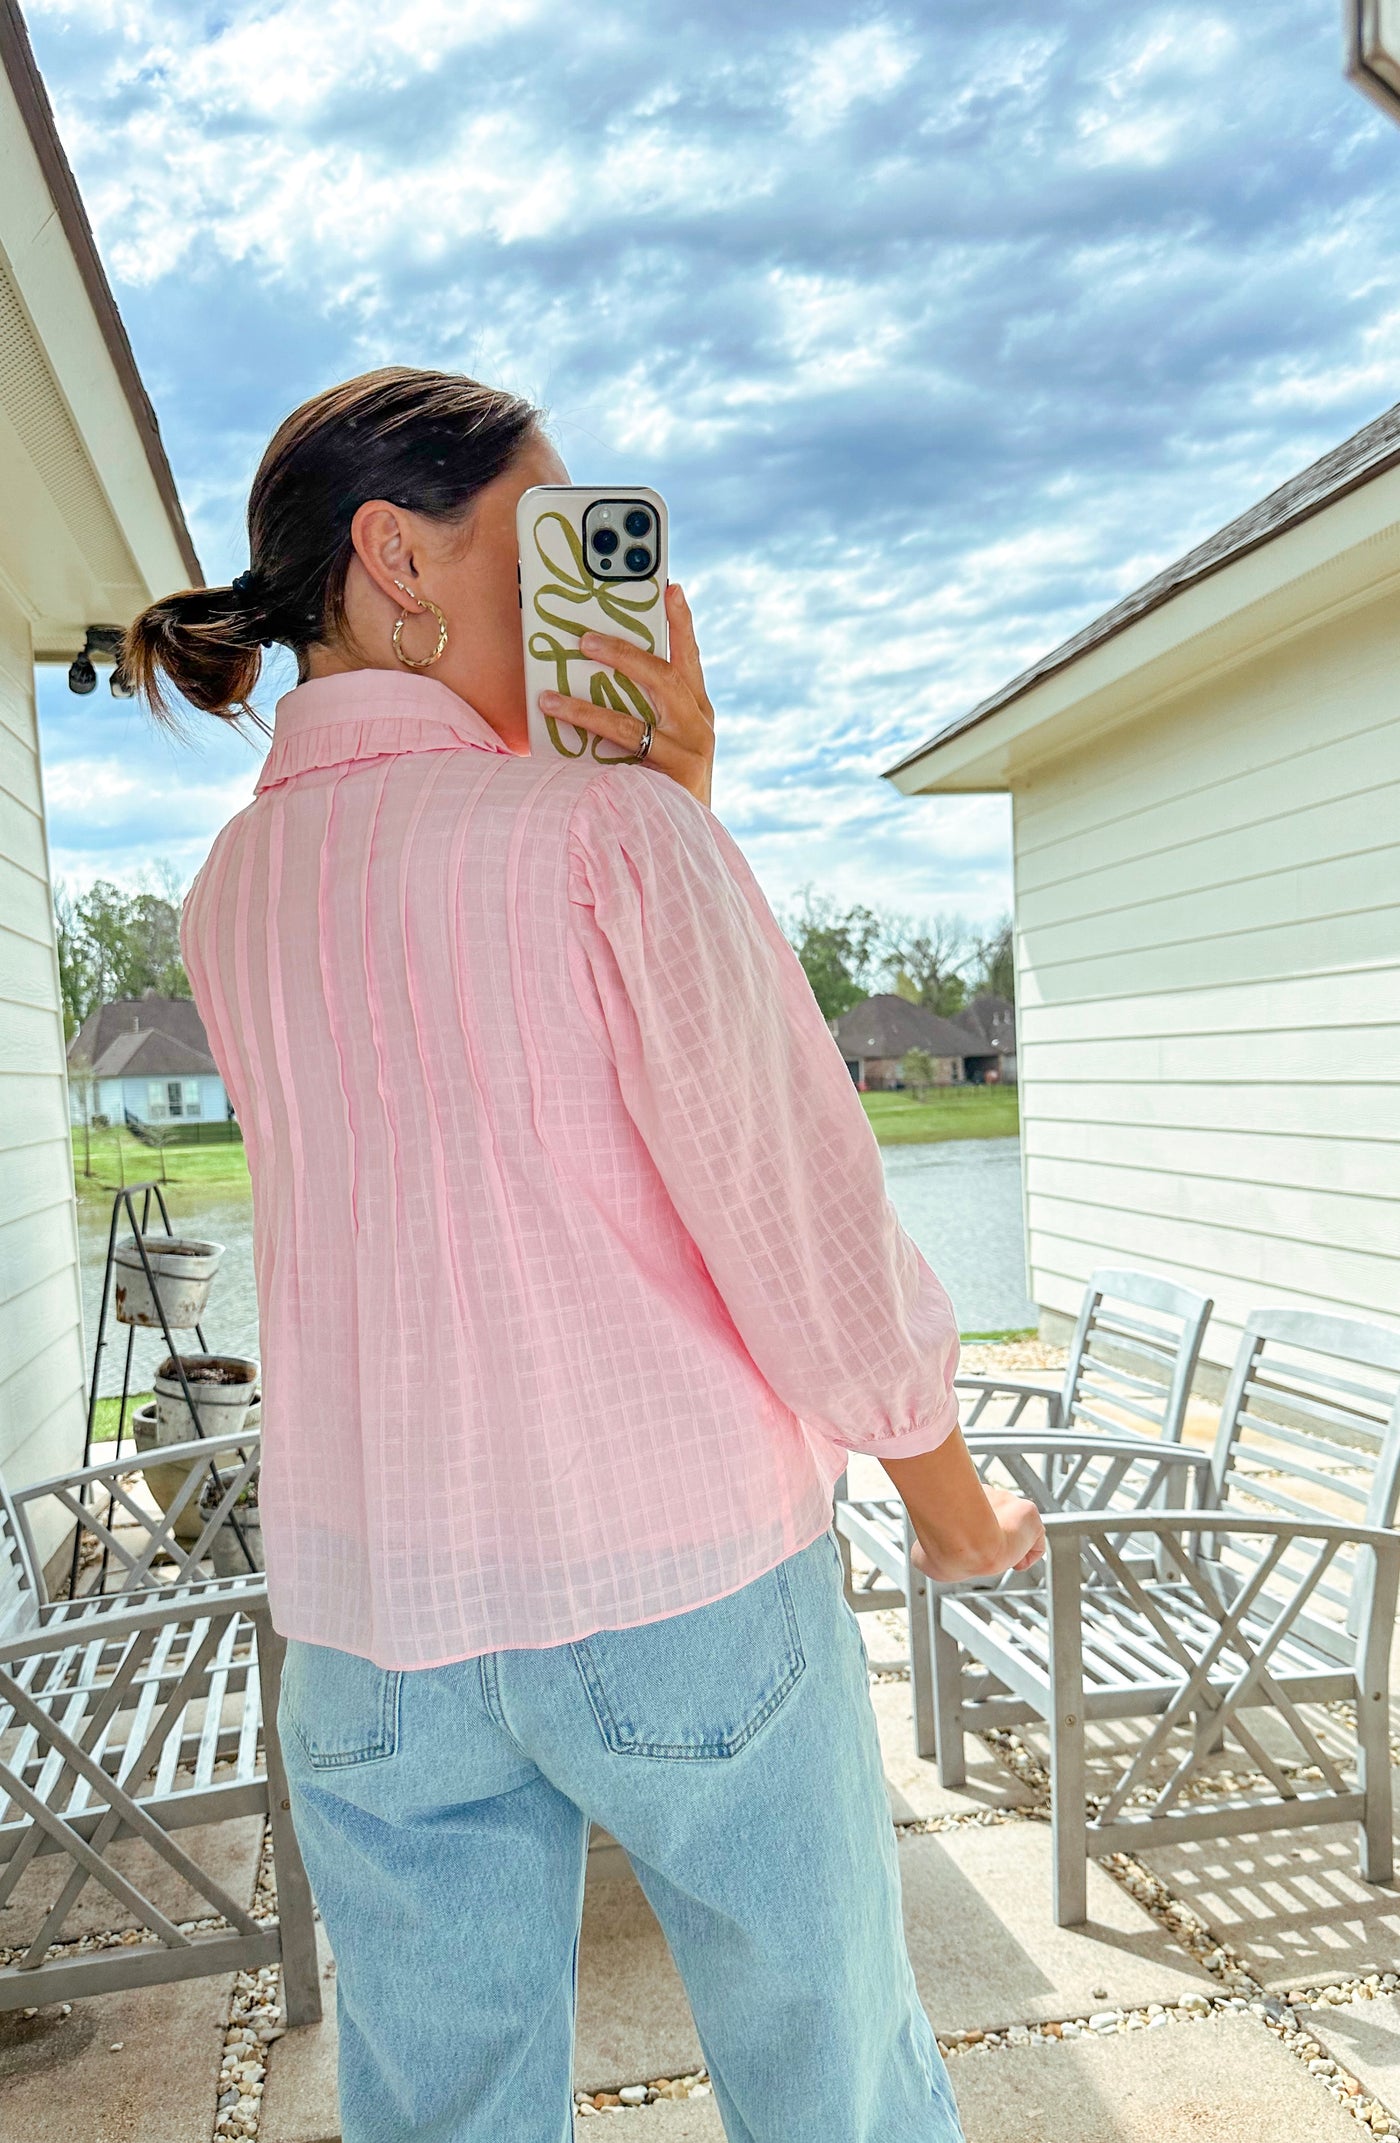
<point x="731" y="1750"/>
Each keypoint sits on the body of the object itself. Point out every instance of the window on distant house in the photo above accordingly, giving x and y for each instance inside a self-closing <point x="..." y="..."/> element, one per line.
<point x="157" y="1106"/>
<point x="192" y="1107"/>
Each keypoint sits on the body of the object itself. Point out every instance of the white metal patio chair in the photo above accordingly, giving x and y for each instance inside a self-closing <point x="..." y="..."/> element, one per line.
<point x="139" y="1711"/>
<point x="1134" y="1354"/>
<point x="1281" y="1595"/>
<point x="1131" y="1361"/>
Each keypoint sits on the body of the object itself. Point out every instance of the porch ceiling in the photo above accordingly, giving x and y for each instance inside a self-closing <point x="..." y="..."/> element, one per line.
<point x="91" y="527"/>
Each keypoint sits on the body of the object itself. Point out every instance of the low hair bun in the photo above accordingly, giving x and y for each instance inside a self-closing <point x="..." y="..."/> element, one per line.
<point x="206" y="643"/>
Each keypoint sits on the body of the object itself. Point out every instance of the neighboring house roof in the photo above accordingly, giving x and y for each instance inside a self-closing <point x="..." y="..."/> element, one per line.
<point x="151" y="1055"/>
<point x="888" y="1026"/>
<point x="27" y="87"/>
<point x="1366" y="455"/>
<point x="992" y="1019"/>
<point x="152" y="1036"/>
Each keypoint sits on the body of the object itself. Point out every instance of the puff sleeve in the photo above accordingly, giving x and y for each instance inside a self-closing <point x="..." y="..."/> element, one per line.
<point x="739" y="1091"/>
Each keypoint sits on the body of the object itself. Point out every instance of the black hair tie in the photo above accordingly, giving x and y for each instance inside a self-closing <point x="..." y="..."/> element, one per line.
<point x="249" y="589"/>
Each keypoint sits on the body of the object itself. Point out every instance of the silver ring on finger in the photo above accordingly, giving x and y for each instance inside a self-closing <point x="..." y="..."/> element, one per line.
<point x="645" y="746"/>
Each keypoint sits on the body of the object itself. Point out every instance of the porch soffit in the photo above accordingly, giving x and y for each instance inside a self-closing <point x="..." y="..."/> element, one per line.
<point x="43" y="428"/>
<point x="75" y="421"/>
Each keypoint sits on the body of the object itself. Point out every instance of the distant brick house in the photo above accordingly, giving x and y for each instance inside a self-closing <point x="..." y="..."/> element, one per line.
<point x="145" y="1058"/>
<point x="976" y="1047"/>
<point x="992" y="1020"/>
<point x="874" y="1038"/>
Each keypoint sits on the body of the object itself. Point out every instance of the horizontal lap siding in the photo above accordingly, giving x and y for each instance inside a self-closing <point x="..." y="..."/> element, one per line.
<point x="41" y="1340"/>
<point x="1208" y="916"/>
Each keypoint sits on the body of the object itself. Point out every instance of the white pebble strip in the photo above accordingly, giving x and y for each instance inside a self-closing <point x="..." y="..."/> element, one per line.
<point x="588" y="2104"/>
<point x="254" y="2025"/>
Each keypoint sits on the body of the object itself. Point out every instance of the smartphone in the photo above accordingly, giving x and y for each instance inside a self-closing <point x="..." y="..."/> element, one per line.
<point x="593" y="558"/>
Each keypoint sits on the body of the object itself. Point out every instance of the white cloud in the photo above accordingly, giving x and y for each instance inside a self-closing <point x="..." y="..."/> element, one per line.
<point x="939" y="329"/>
<point x="856" y="66"/>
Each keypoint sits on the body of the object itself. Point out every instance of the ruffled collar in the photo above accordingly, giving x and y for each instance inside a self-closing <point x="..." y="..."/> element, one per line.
<point x="369" y="714"/>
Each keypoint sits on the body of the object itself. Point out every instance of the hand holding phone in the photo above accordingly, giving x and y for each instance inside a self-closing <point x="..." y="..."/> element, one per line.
<point x="599" y="619"/>
<point x="683" y="743"/>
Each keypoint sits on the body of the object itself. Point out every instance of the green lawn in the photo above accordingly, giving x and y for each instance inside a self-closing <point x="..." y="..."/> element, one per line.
<point x="104" y="1427"/>
<point x="222" y="1167"/>
<point x="118" y="1158"/>
<point x="948" y="1112"/>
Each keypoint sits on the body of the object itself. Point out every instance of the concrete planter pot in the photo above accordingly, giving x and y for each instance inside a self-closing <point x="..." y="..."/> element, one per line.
<point x="183" y="1271"/>
<point x="225" y="1550"/>
<point x="222" y="1387"/>
<point x="165" y="1482"/>
<point x="146" y="1430"/>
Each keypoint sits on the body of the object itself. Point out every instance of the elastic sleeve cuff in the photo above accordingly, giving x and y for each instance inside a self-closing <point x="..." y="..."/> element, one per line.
<point x="910" y="1443"/>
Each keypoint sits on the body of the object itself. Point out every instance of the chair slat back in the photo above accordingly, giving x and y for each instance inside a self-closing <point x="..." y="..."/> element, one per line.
<point x="1310" y="1428"/>
<point x="19" y="1585"/>
<point x="1134" y="1355"/>
<point x="140" y="1520"/>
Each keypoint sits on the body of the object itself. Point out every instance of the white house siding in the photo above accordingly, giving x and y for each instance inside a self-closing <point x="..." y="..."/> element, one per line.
<point x="113" y="1097"/>
<point x="213" y="1100"/>
<point x="41" y="1338"/>
<point x="1208" y="905"/>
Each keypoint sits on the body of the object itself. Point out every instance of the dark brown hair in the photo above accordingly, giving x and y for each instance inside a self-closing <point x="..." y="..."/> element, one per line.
<point x="429" y="441"/>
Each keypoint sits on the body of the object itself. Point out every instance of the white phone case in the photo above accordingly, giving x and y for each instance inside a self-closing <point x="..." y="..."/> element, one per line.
<point x="561" y="598"/>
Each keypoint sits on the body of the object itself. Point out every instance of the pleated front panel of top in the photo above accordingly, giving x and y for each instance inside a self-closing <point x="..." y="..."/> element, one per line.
<point x="508" y="1395"/>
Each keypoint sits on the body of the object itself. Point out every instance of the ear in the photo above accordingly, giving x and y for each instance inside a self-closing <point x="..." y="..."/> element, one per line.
<point x="383" y="538"/>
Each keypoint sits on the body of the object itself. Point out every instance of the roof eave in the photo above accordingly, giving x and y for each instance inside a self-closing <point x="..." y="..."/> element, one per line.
<point x="1326" y="558"/>
<point x="27" y="86"/>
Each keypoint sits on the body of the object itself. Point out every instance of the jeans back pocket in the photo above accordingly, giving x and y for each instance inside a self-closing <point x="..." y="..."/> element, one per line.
<point x="699" y="1684"/>
<point x="342" y="1709"/>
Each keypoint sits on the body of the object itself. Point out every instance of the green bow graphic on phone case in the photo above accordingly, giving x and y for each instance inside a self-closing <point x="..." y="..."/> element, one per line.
<point x="574" y="585"/>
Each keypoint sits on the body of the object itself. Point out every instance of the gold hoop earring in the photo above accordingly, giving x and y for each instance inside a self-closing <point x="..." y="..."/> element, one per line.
<point x="424" y="602"/>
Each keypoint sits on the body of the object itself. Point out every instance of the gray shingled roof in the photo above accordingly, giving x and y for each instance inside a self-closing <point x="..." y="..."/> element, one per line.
<point x="992" y="1018"/>
<point x="887" y="1026"/>
<point x="1367" y="454"/>
<point x="149" y="1055"/>
<point x="155" y="1037"/>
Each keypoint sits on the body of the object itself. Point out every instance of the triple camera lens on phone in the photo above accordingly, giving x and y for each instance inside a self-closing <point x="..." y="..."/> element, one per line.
<point x="605" y="524"/>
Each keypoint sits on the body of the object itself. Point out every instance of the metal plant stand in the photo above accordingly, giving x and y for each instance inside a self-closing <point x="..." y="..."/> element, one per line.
<point x="124" y="1200"/>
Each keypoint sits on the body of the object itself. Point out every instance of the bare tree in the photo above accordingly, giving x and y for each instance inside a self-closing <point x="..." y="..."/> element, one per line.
<point x="83" y="1087"/>
<point x="994" y="961"/>
<point x="160" y="1136"/>
<point x="931" y="957"/>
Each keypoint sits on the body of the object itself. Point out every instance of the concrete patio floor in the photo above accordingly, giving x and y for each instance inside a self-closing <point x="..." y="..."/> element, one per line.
<point x="1230" y="1991"/>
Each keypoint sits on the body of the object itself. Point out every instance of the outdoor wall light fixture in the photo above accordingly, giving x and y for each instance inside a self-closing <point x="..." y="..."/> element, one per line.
<point x="104" y="641"/>
<point x="1373" y="51"/>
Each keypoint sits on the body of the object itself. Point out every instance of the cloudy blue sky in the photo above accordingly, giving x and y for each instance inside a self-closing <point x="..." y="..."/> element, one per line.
<point x="940" y="327"/>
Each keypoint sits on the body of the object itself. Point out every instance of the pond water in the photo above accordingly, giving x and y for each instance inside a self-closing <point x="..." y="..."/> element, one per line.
<point x="961" y="1202"/>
